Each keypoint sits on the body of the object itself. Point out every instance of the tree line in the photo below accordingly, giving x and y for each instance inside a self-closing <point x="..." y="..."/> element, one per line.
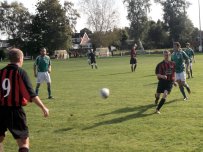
<point x="53" y="24"/>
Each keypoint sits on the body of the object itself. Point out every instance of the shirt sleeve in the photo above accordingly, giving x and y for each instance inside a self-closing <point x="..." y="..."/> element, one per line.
<point x="27" y="83"/>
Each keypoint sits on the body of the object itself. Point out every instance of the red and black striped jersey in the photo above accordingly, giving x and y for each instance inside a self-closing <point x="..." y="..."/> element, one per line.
<point x="133" y="53"/>
<point x="15" y="89"/>
<point x="166" y="68"/>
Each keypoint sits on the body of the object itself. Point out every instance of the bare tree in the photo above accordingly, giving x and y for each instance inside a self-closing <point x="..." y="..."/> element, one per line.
<point x="102" y="15"/>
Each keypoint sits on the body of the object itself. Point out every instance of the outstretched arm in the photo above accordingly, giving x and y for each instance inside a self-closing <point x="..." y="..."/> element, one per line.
<point x="40" y="104"/>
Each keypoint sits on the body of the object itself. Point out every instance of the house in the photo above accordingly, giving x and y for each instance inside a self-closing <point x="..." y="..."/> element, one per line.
<point x="4" y="44"/>
<point x="80" y="44"/>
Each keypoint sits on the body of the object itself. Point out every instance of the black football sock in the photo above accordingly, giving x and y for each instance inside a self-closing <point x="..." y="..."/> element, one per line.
<point x="182" y="91"/>
<point x="191" y="73"/>
<point x="160" y="104"/>
<point x="23" y="149"/>
<point x="37" y="91"/>
<point x="49" y="91"/>
<point x="156" y="99"/>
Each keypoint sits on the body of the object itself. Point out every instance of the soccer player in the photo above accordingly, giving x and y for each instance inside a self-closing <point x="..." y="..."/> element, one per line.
<point x="133" y="60"/>
<point x="165" y="72"/>
<point x="191" y="56"/>
<point x="15" y="92"/>
<point x="92" y="59"/>
<point x="179" y="57"/>
<point x="42" y="70"/>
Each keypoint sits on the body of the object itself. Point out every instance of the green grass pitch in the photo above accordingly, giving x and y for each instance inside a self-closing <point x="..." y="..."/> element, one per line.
<point x="81" y="121"/>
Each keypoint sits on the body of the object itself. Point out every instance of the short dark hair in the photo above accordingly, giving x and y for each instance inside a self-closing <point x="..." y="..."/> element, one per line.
<point x="177" y="44"/>
<point x="14" y="55"/>
<point x="42" y="48"/>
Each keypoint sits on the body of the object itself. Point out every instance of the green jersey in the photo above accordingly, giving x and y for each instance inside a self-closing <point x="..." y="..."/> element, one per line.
<point x="42" y="63"/>
<point x="190" y="53"/>
<point x="179" y="58"/>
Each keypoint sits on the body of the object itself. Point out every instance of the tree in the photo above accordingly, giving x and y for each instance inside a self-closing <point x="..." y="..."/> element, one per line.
<point x="176" y="19"/>
<point x="14" y="22"/>
<point x="51" y="27"/>
<point x="72" y="14"/>
<point x="101" y="14"/>
<point x="137" y="15"/>
<point x="157" y="36"/>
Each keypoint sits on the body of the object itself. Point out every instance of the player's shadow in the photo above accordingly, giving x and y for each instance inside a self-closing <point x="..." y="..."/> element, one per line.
<point x="138" y="112"/>
<point x="63" y="130"/>
<point x="120" y="73"/>
<point x="149" y="84"/>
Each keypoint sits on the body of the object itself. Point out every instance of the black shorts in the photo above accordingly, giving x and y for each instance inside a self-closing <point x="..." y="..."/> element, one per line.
<point x="133" y="60"/>
<point x="13" y="119"/>
<point x="93" y="61"/>
<point x="164" y="85"/>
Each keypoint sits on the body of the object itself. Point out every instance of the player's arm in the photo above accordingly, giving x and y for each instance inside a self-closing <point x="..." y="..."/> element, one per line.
<point x="31" y="94"/>
<point x="40" y="104"/>
<point x="35" y="67"/>
<point x="158" y="71"/>
<point x="49" y="67"/>
<point x="35" y="70"/>
<point x="161" y="76"/>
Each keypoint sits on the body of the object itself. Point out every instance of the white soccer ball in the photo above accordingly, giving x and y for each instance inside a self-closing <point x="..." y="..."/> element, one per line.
<point x="104" y="92"/>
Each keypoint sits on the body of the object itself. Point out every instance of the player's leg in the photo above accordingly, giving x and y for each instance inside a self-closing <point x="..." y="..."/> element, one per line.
<point x="180" y="77"/>
<point x="37" y="88"/>
<point x="187" y="70"/>
<point x="48" y="81"/>
<point x="157" y="97"/>
<point x="19" y="128"/>
<point x="191" y="70"/>
<point x="131" y="64"/>
<point x="23" y="144"/>
<point x="135" y="65"/>
<point x="162" y="101"/>
<point x="38" y="81"/>
<point x="95" y="64"/>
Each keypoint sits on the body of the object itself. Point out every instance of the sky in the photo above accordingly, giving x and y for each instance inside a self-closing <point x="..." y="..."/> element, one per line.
<point x="155" y="14"/>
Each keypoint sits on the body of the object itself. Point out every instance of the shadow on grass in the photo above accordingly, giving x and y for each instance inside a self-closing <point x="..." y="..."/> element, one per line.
<point x="139" y="113"/>
<point x="154" y="83"/>
<point x="116" y="73"/>
<point x="151" y="75"/>
<point x="63" y="130"/>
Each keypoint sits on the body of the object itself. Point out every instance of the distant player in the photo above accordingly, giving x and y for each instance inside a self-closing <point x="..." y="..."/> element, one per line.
<point x="189" y="51"/>
<point x="133" y="59"/>
<point x="15" y="92"/>
<point x="165" y="72"/>
<point x="42" y="70"/>
<point x="92" y="59"/>
<point x="180" y="57"/>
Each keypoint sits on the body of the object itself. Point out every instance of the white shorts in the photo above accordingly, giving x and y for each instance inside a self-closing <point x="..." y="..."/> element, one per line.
<point x="43" y="76"/>
<point x="181" y="76"/>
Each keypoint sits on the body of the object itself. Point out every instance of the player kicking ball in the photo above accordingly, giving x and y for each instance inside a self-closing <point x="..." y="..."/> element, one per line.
<point x="165" y="72"/>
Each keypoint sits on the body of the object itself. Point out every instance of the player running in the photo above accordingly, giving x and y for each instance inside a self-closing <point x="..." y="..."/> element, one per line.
<point x="191" y="56"/>
<point x="179" y="57"/>
<point x="165" y="72"/>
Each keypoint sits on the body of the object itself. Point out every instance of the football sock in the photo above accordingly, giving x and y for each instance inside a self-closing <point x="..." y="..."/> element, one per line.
<point x="37" y="91"/>
<point x="161" y="104"/>
<point x="49" y="91"/>
<point x="156" y="99"/>
<point x="23" y="149"/>
<point x="132" y="68"/>
<point x="191" y="73"/>
<point x="182" y="91"/>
